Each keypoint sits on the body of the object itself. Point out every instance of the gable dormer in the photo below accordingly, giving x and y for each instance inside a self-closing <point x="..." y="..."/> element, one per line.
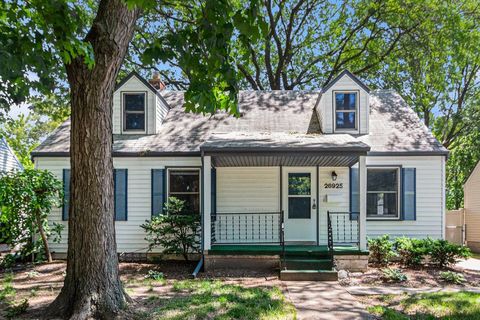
<point x="344" y="106"/>
<point x="138" y="107"/>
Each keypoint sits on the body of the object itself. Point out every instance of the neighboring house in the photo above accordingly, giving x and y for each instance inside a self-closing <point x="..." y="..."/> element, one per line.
<point x="471" y="200"/>
<point x="332" y="166"/>
<point x="8" y="160"/>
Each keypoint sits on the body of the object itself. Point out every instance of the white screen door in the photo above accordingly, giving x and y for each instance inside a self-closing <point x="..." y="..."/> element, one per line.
<point x="299" y="190"/>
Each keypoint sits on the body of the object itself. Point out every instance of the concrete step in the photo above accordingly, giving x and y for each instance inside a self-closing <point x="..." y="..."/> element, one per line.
<point x="307" y="263"/>
<point x="308" y="275"/>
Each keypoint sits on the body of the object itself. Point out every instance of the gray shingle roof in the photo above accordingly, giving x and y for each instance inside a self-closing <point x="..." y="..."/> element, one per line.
<point x="394" y="127"/>
<point x="274" y="141"/>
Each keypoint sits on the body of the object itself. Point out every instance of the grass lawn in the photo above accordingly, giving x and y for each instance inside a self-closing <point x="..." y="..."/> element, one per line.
<point x="158" y="291"/>
<point x="206" y="299"/>
<point x="448" y="305"/>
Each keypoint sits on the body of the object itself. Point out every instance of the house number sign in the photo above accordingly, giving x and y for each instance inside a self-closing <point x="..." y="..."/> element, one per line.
<point x="333" y="185"/>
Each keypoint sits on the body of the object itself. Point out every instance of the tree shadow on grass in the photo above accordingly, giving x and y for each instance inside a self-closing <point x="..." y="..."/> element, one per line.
<point x="217" y="300"/>
<point x="451" y="305"/>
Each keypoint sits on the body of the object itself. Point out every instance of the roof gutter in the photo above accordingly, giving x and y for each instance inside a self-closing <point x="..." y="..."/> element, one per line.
<point x="444" y="153"/>
<point x="117" y="154"/>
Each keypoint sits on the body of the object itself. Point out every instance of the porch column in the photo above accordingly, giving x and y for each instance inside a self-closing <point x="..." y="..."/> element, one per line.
<point x="207" y="201"/>
<point x="362" y="180"/>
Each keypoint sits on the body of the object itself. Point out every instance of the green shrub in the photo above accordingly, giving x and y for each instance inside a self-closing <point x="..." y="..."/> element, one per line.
<point x="412" y="251"/>
<point x="452" y="277"/>
<point x="444" y="253"/>
<point x="14" y="310"/>
<point x="381" y="249"/>
<point x="26" y="199"/>
<point x="154" y="275"/>
<point x="394" y="275"/>
<point x="175" y="232"/>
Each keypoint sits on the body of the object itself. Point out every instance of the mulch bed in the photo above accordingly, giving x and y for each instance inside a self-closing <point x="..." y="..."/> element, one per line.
<point x="425" y="276"/>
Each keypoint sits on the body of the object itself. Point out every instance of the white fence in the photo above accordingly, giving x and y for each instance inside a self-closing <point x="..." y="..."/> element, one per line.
<point x="455" y="226"/>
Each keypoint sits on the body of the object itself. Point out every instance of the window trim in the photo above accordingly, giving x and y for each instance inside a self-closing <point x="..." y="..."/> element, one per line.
<point x="357" y="111"/>
<point x="124" y="112"/>
<point x="399" y="191"/>
<point x="167" y="183"/>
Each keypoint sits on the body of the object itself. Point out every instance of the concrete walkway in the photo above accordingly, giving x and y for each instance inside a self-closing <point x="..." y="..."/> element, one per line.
<point x="364" y="290"/>
<point x="324" y="300"/>
<point x="470" y="264"/>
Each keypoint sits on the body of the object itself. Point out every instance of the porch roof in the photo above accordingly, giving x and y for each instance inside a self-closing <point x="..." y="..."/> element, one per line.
<point x="236" y="149"/>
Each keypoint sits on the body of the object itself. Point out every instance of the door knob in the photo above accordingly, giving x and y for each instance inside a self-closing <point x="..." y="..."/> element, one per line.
<point x="314" y="206"/>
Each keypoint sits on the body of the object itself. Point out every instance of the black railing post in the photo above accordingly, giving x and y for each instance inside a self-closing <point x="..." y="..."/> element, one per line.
<point x="330" y="236"/>
<point x="212" y="229"/>
<point x="282" y="239"/>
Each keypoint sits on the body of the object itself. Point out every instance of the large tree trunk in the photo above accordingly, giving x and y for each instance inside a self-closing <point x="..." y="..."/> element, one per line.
<point x="92" y="286"/>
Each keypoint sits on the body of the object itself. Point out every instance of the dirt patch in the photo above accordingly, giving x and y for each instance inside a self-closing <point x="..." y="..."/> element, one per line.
<point x="416" y="277"/>
<point x="41" y="283"/>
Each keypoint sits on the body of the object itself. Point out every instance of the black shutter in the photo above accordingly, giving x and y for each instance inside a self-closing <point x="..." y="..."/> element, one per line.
<point x="120" y="197"/>
<point x="354" y="194"/>
<point x="158" y="191"/>
<point x="66" y="193"/>
<point x="409" y="194"/>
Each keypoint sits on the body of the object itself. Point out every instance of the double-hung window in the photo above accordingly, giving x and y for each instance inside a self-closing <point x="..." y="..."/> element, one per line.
<point x="185" y="185"/>
<point x="383" y="189"/>
<point x="346" y="109"/>
<point x="134" y="111"/>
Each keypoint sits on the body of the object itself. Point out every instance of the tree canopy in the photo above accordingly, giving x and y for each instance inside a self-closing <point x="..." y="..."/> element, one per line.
<point x="64" y="56"/>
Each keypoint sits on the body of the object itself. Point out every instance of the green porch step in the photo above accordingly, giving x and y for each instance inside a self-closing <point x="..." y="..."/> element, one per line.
<point x="307" y="263"/>
<point x="308" y="275"/>
<point x="306" y="255"/>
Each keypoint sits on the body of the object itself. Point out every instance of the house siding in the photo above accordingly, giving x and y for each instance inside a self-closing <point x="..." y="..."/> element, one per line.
<point x="472" y="208"/>
<point x="326" y="105"/>
<point x="430" y="200"/>
<point x="161" y="113"/>
<point x="8" y="161"/>
<point x="130" y="237"/>
<point x="341" y="201"/>
<point x="248" y="189"/>
<point x="257" y="189"/>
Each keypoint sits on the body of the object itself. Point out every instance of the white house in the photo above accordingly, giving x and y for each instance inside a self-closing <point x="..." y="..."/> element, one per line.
<point x="8" y="160"/>
<point x="298" y="172"/>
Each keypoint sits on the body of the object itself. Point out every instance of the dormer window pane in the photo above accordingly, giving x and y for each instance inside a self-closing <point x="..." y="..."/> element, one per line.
<point x="134" y="111"/>
<point x="345" y="110"/>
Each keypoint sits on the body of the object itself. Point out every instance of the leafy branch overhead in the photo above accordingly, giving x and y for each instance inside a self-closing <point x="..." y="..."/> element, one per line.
<point x="203" y="48"/>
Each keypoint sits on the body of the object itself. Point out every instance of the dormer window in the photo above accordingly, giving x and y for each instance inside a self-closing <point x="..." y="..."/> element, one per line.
<point x="346" y="109"/>
<point x="134" y="112"/>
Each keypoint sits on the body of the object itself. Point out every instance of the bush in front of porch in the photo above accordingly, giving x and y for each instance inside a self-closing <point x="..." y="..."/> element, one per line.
<point x="176" y="232"/>
<point x="413" y="252"/>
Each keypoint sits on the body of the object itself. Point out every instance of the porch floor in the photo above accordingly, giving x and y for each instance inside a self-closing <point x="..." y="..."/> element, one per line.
<point x="253" y="249"/>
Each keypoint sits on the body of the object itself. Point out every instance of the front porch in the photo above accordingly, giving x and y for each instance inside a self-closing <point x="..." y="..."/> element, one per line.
<point x="284" y="202"/>
<point x="295" y="261"/>
<point x="257" y="249"/>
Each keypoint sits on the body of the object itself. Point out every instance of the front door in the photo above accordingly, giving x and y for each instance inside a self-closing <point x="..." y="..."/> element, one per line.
<point x="299" y="203"/>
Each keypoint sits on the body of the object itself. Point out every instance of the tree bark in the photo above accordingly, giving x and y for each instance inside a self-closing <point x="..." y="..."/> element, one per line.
<point x="38" y="217"/>
<point x="92" y="287"/>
